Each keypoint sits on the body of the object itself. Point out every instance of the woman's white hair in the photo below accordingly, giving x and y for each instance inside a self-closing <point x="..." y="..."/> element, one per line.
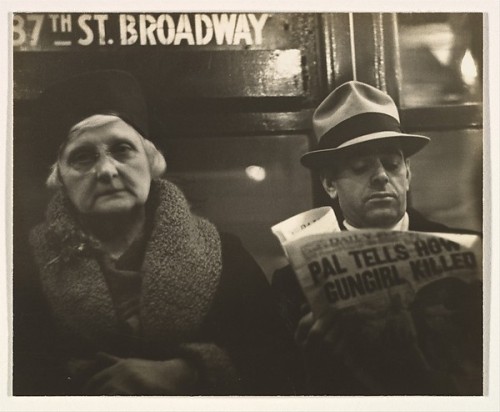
<point x="157" y="163"/>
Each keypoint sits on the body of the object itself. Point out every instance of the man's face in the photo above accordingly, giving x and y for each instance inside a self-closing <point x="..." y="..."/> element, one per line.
<point x="371" y="182"/>
<point x="104" y="168"/>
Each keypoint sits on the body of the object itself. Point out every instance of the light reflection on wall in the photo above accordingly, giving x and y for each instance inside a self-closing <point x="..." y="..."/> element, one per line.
<point x="256" y="173"/>
<point x="287" y="63"/>
<point x="468" y="69"/>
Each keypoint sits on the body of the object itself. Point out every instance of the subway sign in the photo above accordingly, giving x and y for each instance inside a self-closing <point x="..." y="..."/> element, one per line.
<point x="58" y="31"/>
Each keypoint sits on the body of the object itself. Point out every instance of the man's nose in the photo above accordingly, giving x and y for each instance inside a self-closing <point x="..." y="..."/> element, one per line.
<point x="106" y="168"/>
<point x="379" y="175"/>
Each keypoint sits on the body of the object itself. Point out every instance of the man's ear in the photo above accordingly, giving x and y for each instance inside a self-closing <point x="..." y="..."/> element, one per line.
<point x="408" y="174"/>
<point x="328" y="184"/>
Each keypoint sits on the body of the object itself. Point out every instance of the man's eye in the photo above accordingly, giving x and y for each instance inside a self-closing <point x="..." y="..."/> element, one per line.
<point x="359" y="166"/>
<point x="392" y="164"/>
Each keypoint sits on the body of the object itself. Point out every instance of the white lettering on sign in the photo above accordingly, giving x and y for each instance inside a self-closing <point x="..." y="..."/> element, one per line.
<point x="128" y="34"/>
<point x="258" y="26"/>
<point x="204" y="29"/>
<point x="184" y="31"/>
<point x="224" y="28"/>
<point x="148" y="24"/>
<point x="89" y="34"/>
<point x="101" y="27"/>
<point x="139" y="29"/>
<point x="242" y="31"/>
<point x="229" y="29"/>
<point x="167" y="20"/>
<point x="83" y="24"/>
<point x="66" y="23"/>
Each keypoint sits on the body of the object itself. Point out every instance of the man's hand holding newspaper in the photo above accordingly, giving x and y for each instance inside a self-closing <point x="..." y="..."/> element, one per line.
<point x="388" y="305"/>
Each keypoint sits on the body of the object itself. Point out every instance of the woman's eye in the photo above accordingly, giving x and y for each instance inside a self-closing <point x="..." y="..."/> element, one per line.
<point x="122" y="149"/>
<point x="83" y="158"/>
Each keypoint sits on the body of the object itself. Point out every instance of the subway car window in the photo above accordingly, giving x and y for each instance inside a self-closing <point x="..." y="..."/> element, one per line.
<point x="441" y="95"/>
<point x="441" y="58"/>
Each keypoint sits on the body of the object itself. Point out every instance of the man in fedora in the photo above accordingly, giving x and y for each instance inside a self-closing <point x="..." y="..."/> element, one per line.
<point x="362" y="158"/>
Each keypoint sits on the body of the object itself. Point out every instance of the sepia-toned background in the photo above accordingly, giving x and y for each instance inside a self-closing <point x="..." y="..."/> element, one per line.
<point x="231" y="97"/>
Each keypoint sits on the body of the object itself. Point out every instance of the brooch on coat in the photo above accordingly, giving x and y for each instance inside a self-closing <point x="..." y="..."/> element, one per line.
<point x="71" y="244"/>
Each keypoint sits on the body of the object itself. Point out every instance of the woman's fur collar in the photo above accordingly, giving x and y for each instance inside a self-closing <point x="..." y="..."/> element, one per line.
<point x="180" y="274"/>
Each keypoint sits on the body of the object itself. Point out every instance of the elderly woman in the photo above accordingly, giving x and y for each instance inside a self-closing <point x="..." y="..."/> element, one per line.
<point x="142" y="297"/>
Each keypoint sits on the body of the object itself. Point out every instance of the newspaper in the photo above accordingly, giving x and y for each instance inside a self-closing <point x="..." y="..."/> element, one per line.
<point x="370" y="267"/>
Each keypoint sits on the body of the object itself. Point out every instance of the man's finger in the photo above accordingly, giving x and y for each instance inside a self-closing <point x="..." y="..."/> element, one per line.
<point x="319" y="329"/>
<point x="303" y="328"/>
<point x="97" y="382"/>
<point x="105" y="359"/>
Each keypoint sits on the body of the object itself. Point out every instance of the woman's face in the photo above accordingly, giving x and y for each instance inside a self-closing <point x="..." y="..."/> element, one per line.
<point x="104" y="167"/>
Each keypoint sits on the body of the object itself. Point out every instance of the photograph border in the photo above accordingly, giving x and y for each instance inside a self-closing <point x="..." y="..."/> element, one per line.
<point x="491" y="152"/>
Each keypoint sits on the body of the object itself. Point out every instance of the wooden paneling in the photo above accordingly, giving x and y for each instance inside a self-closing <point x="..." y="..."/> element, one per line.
<point x="452" y="117"/>
<point x="187" y="74"/>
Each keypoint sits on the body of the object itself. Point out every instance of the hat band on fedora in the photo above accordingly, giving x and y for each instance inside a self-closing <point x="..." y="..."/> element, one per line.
<point x="359" y="125"/>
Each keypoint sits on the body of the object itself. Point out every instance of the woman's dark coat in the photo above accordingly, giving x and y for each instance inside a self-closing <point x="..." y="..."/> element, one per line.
<point x="223" y="319"/>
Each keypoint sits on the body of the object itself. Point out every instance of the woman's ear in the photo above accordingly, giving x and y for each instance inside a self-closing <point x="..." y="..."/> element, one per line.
<point x="328" y="184"/>
<point x="54" y="179"/>
<point x="157" y="162"/>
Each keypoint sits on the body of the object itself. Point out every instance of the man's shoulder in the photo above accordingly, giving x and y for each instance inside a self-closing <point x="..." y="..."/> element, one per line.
<point x="284" y="282"/>
<point x="283" y="275"/>
<point x="419" y="223"/>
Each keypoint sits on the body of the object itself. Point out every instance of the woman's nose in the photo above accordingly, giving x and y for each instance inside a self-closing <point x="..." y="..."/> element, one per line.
<point x="106" y="168"/>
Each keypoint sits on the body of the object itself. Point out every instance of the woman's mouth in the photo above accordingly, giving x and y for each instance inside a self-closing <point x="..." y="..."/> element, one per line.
<point x="109" y="192"/>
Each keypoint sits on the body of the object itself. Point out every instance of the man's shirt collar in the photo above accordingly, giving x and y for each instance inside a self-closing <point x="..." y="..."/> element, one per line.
<point x="401" y="225"/>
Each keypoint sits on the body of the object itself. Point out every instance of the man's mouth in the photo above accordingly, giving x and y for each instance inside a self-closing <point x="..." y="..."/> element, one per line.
<point x="381" y="196"/>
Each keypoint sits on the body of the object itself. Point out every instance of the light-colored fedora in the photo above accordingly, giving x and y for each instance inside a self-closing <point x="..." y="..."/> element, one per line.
<point x="352" y="114"/>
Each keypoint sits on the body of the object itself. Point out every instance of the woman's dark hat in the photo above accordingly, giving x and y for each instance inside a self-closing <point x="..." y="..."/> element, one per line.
<point x="352" y="114"/>
<point x="68" y="102"/>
